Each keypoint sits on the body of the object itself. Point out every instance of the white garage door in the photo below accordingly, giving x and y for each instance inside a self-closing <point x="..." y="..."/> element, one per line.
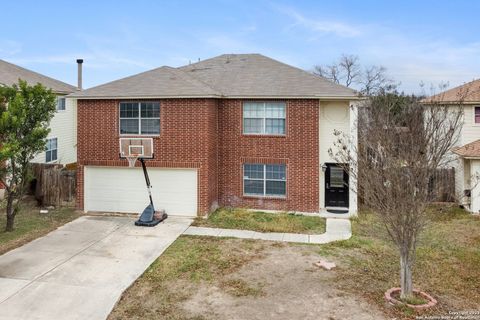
<point x="124" y="190"/>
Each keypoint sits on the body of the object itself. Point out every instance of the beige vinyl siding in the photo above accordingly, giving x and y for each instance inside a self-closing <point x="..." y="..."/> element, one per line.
<point x="334" y="115"/>
<point x="63" y="127"/>
<point x="470" y="130"/>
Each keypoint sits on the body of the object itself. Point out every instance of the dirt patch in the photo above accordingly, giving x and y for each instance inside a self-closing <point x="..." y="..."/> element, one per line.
<point x="286" y="285"/>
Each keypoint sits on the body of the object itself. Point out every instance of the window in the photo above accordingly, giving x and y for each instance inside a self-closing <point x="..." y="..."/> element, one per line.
<point x="336" y="177"/>
<point x="140" y="118"/>
<point x="264" y="118"/>
<point x="51" y="151"/>
<point x="60" y="103"/>
<point x="264" y="180"/>
<point x="477" y="114"/>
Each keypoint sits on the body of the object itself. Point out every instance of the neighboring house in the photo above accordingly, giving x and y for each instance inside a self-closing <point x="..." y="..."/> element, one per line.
<point x="467" y="154"/>
<point x="237" y="130"/>
<point x="61" y="141"/>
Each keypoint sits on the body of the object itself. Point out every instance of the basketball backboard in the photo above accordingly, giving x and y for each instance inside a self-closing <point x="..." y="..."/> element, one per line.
<point x="136" y="147"/>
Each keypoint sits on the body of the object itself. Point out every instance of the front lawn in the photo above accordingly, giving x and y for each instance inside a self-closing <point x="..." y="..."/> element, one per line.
<point x="215" y="278"/>
<point x="262" y="221"/>
<point x="447" y="266"/>
<point x="31" y="224"/>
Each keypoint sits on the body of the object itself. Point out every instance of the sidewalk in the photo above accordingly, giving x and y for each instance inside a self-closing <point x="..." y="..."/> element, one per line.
<point x="337" y="229"/>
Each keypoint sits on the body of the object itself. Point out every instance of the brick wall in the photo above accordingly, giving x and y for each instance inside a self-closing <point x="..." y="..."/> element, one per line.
<point x="207" y="134"/>
<point x="298" y="150"/>
<point x="188" y="141"/>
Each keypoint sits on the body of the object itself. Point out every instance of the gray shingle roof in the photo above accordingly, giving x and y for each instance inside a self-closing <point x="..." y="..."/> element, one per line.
<point x="229" y="75"/>
<point x="245" y="75"/>
<point x="10" y="73"/>
<point x="161" y="82"/>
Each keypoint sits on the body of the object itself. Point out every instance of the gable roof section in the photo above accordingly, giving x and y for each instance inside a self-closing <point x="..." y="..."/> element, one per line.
<point x="10" y="73"/>
<point x="229" y="76"/>
<point x="163" y="82"/>
<point x="467" y="93"/>
<point x="254" y="75"/>
<point x="470" y="150"/>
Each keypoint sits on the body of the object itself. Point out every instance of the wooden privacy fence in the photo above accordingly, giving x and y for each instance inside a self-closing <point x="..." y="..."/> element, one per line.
<point x="54" y="185"/>
<point x="442" y="186"/>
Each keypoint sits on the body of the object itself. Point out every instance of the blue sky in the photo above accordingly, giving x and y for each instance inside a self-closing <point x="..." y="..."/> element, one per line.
<point x="417" y="41"/>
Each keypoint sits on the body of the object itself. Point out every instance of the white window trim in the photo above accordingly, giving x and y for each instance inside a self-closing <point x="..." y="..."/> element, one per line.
<point x="46" y="150"/>
<point x="264" y="195"/>
<point x="473" y="116"/>
<point x="264" y="118"/>
<point x="139" y="120"/>
<point x="65" y="99"/>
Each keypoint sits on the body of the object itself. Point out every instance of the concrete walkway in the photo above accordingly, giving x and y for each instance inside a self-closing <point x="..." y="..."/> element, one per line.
<point x="80" y="270"/>
<point x="336" y="229"/>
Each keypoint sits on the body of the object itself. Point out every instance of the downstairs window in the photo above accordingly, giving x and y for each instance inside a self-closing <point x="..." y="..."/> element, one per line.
<point x="265" y="180"/>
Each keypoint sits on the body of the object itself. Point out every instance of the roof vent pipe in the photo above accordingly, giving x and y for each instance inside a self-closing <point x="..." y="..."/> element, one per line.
<point x="79" y="83"/>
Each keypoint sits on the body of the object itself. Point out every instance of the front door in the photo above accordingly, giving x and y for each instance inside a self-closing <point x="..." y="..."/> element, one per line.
<point x="336" y="186"/>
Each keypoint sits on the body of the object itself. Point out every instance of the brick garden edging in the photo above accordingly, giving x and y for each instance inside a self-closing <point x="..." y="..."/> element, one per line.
<point x="431" y="301"/>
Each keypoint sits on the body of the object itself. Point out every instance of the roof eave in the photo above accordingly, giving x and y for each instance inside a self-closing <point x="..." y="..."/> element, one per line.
<point x="450" y="102"/>
<point x="73" y="96"/>
<point x="340" y="98"/>
<point x="316" y="97"/>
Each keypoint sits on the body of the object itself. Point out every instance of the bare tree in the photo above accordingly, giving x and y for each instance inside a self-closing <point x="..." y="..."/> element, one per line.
<point x="401" y="143"/>
<point x="349" y="72"/>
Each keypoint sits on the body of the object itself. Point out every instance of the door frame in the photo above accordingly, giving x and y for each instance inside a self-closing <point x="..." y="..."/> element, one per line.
<point x="327" y="180"/>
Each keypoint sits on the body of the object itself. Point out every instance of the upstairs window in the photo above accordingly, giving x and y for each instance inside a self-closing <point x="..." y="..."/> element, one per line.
<point x="265" y="180"/>
<point x="477" y="114"/>
<point x="51" y="151"/>
<point x="61" y="103"/>
<point x="140" y="118"/>
<point x="264" y="118"/>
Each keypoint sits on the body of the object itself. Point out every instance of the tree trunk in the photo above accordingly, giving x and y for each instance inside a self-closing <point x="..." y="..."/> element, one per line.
<point x="406" y="283"/>
<point x="10" y="214"/>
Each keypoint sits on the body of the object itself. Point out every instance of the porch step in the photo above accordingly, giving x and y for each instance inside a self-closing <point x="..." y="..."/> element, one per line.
<point x="338" y="210"/>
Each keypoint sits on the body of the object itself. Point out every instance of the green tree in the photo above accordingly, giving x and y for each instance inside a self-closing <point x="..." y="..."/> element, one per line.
<point x="25" y="114"/>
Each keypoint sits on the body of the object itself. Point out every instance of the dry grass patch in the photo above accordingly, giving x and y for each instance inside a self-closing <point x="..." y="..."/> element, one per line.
<point x="241" y="288"/>
<point x="187" y="264"/>
<point x="262" y="221"/>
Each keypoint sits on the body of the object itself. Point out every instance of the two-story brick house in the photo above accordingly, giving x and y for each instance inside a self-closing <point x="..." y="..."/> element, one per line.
<point x="239" y="130"/>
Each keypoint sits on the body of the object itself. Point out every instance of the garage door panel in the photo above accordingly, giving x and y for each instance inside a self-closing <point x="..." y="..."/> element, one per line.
<point x="124" y="190"/>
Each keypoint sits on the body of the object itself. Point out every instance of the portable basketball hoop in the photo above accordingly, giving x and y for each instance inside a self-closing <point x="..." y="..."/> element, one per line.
<point x="134" y="149"/>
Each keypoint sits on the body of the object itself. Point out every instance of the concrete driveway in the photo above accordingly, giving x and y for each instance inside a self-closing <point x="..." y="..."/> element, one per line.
<point x="80" y="270"/>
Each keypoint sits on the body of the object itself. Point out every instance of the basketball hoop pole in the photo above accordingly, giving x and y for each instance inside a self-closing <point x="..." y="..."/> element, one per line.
<point x="147" y="181"/>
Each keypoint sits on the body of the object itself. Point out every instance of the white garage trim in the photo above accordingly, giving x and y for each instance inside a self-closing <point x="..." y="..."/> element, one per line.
<point x="122" y="189"/>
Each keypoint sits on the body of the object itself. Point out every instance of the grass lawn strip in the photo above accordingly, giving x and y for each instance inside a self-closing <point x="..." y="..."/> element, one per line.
<point x="262" y="221"/>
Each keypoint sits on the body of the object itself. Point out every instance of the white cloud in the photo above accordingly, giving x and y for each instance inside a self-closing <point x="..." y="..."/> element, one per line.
<point x="9" y="48"/>
<point x="320" y="26"/>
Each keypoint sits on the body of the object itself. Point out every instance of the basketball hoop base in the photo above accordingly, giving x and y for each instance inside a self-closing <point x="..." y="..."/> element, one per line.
<point x="149" y="219"/>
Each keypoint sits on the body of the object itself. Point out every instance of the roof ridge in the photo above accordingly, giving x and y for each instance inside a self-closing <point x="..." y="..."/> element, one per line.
<point x="216" y="57"/>
<point x="194" y="80"/>
<point x="38" y="74"/>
